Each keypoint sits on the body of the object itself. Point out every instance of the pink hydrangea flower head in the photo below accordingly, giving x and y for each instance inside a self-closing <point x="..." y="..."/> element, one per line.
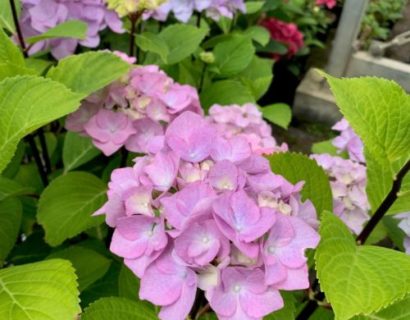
<point x="242" y="294"/>
<point x="348" y="141"/>
<point x="285" y="33"/>
<point x="146" y="100"/>
<point x="204" y="211"/>
<point x="38" y="16"/>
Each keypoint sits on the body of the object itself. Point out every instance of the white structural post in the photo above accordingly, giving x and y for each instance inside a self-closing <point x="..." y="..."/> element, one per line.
<point x="346" y="36"/>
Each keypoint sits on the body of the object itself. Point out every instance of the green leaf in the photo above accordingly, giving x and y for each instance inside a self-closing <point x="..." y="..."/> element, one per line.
<point x="77" y="150"/>
<point x="88" y="72"/>
<point x="288" y="311"/>
<point x="10" y="188"/>
<point x="297" y="167"/>
<point x="278" y="113"/>
<point x="258" y="76"/>
<point x="128" y="284"/>
<point x="8" y="69"/>
<point x="358" y="280"/>
<point x="6" y="17"/>
<point x="89" y="265"/>
<point x="66" y="206"/>
<point x="151" y="42"/>
<point x="118" y="309"/>
<point x="233" y="56"/>
<point x="26" y="104"/>
<point x="38" y="65"/>
<point x="397" y="311"/>
<point x="325" y="147"/>
<point x="39" y="291"/>
<point x="379" y="112"/>
<point x="10" y="221"/>
<point x="259" y="34"/>
<point x="226" y="92"/>
<point x="254" y="6"/>
<point x="182" y="40"/>
<point x="75" y="29"/>
<point x="9" y="52"/>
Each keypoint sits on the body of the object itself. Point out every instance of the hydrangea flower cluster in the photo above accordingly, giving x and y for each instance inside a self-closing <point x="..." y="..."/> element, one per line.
<point x="245" y="121"/>
<point x="207" y="213"/>
<point x="285" y="33"/>
<point x="330" y="4"/>
<point x="348" y="182"/>
<point x="184" y="9"/>
<point x="133" y="111"/>
<point x="348" y="141"/>
<point x="38" y="16"/>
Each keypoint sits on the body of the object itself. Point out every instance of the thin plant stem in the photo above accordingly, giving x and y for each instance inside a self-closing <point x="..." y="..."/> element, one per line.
<point x="37" y="159"/>
<point x="202" y="79"/>
<point x="18" y="29"/>
<point x="385" y="205"/>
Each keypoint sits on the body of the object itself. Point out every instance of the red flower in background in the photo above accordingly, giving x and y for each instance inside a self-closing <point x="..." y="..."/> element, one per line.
<point x="328" y="3"/>
<point x="285" y="33"/>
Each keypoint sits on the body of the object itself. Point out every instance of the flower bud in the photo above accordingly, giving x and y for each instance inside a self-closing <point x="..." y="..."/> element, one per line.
<point x="207" y="57"/>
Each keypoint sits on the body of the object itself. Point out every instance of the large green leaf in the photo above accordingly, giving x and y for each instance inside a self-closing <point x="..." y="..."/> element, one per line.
<point x="226" y="92"/>
<point x="8" y="69"/>
<point x="379" y="112"/>
<point x="39" y="291"/>
<point x="298" y="167"/>
<point x="77" y="150"/>
<point x="258" y="76"/>
<point x="26" y="104"/>
<point x="233" y="56"/>
<point x="10" y="220"/>
<point x="9" y="52"/>
<point x="88" y="72"/>
<point x="397" y="311"/>
<point x="10" y="188"/>
<point x="118" y="309"/>
<point x="358" y="279"/>
<point x="182" y="40"/>
<point x="70" y="29"/>
<point x="89" y="265"/>
<point x="66" y="206"/>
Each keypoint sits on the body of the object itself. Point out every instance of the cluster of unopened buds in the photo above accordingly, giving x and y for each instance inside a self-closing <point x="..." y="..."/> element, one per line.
<point x="206" y="212"/>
